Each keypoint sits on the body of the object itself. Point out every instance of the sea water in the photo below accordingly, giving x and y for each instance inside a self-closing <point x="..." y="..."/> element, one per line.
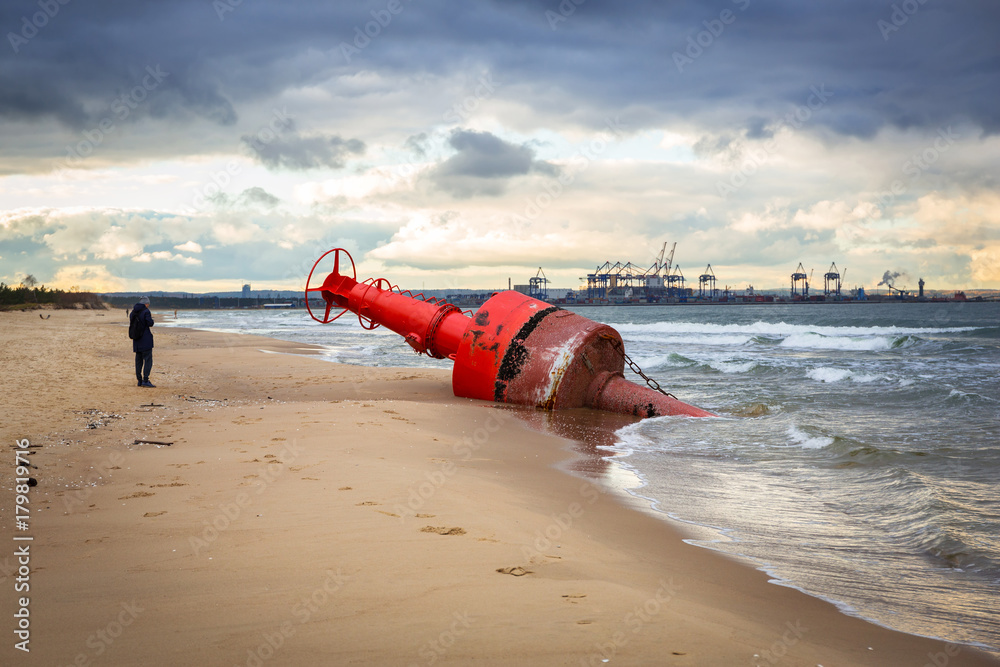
<point x="856" y="457"/>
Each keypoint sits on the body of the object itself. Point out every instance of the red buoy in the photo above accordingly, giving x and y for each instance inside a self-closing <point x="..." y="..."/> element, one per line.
<point x="514" y="349"/>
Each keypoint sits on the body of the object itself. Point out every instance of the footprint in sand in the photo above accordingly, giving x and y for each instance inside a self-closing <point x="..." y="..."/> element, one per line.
<point x="137" y="494"/>
<point x="344" y="488"/>
<point x="151" y="514"/>
<point x="516" y="571"/>
<point x="367" y="502"/>
<point x="443" y="530"/>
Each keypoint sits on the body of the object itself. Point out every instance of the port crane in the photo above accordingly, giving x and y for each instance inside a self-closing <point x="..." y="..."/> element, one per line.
<point x="537" y="285"/>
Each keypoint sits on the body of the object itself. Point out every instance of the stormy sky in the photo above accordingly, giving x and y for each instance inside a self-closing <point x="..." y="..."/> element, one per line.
<point x="192" y="145"/>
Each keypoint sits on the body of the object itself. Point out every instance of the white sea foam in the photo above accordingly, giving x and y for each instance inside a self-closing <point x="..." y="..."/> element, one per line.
<point x="829" y="374"/>
<point x="733" y="366"/>
<point x="956" y="393"/>
<point x="662" y="360"/>
<point x="630" y="437"/>
<point x="806" y="441"/>
<point x="777" y="329"/>
<point x="823" y="342"/>
<point x="676" y="338"/>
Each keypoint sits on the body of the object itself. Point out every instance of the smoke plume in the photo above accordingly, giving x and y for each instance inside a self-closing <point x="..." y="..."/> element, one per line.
<point x="888" y="277"/>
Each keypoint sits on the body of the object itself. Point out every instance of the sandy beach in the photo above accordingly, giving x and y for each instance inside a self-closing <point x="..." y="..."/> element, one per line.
<point x="310" y="513"/>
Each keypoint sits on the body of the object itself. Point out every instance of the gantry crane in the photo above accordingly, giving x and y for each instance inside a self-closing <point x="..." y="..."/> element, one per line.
<point x="536" y="286"/>
<point x="799" y="276"/>
<point x="706" y="283"/>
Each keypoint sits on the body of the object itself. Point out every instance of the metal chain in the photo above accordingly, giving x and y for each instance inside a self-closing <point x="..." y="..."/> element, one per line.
<point x="653" y="384"/>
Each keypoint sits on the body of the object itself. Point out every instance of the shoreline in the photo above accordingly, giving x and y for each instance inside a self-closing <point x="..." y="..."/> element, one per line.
<point x="712" y="534"/>
<point x="321" y="481"/>
<point x="627" y="483"/>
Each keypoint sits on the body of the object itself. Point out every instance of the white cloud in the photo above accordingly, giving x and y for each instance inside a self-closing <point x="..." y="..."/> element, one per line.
<point x="452" y="240"/>
<point x="166" y="255"/>
<point x="811" y="201"/>
<point x="22" y="222"/>
<point x="968" y="217"/>
<point x="751" y="222"/>
<point x="189" y="246"/>
<point x="230" y="232"/>
<point x="88" y="277"/>
<point x="986" y="265"/>
<point x="103" y="234"/>
<point x="824" y="215"/>
<point x="373" y="182"/>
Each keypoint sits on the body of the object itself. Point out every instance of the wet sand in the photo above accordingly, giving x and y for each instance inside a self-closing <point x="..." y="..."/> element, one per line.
<point x="313" y="513"/>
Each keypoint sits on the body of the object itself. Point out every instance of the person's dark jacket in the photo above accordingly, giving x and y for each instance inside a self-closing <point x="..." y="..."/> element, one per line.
<point x="145" y="341"/>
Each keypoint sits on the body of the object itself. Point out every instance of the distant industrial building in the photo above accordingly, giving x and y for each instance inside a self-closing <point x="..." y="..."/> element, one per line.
<point x="661" y="282"/>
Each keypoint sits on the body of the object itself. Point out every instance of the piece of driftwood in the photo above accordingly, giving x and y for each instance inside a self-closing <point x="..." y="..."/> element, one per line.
<point x="152" y="442"/>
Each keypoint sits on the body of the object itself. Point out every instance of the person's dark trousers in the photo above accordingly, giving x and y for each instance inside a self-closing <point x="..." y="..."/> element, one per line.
<point x="143" y="364"/>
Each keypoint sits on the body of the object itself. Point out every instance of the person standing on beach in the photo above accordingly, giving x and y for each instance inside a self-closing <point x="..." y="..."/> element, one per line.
<point x="140" y="320"/>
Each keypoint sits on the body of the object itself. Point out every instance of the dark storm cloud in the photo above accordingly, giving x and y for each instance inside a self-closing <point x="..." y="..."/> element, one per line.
<point x="740" y="65"/>
<point x="293" y="151"/>
<point x="251" y="197"/>
<point x="258" y="195"/>
<point x="417" y="144"/>
<point x="73" y="62"/>
<point x="484" y="163"/>
<point x="746" y="63"/>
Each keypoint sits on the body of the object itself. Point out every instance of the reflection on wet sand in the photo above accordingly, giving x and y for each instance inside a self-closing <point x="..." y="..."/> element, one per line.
<point x="588" y="430"/>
